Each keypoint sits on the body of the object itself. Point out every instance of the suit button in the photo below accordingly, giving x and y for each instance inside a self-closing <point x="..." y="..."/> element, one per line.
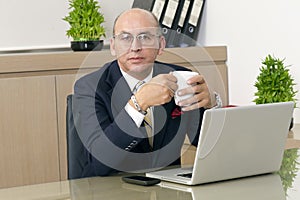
<point x="134" y="142"/>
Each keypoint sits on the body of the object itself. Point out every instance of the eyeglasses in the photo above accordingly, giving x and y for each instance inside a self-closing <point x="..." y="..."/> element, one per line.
<point x="145" y="39"/>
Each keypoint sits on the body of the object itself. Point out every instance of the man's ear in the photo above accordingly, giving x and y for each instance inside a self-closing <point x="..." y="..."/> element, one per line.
<point x="112" y="47"/>
<point x="162" y="45"/>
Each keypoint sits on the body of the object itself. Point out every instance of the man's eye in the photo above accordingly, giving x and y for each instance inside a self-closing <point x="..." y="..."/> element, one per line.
<point x="126" y="37"/>
<point x="144" y="37"/>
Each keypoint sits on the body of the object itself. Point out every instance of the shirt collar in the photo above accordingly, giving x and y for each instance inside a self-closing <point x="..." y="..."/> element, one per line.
<point x="133" y="81"/>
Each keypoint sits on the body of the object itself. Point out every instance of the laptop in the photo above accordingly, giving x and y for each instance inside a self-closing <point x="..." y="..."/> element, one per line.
<point x="236" y="142"/>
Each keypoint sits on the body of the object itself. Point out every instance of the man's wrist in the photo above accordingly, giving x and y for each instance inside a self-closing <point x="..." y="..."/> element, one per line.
<point x="136" y="105"/>
<point x="134" y="114"/>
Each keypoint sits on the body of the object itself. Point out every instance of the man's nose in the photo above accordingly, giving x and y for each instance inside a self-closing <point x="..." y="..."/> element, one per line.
<point x="135" y="45"/>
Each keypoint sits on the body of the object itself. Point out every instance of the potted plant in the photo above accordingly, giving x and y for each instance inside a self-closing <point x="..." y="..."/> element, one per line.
<point x="274" y="83"/>
<point x="85" y="25"/>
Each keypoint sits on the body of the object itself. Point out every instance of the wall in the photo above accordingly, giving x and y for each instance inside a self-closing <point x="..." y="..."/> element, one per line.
<point x="37" y="24"/>
<point x="252" y="30"/>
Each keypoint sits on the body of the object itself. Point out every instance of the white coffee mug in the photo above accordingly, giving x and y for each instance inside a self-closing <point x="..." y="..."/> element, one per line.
<point x="182" y="77"/>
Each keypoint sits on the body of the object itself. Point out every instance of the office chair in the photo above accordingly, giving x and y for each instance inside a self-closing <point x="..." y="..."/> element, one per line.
<point x="77" y="155"/>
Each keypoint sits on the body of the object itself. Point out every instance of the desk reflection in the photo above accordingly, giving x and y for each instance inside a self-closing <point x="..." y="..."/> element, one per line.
<point x="262" y="187"/>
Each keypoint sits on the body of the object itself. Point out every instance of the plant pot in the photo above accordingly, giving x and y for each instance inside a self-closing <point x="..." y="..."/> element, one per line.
<point x="87" y="45"/>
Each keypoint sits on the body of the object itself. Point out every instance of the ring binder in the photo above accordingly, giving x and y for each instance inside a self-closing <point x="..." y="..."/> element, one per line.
<point x="179" y="19"/>
<point x="157" y="8"/>
<point x="169" y="21"/>
<point x="192" y="25"/>
<point x="147" y="5"/>
<point x="178" y="34"/>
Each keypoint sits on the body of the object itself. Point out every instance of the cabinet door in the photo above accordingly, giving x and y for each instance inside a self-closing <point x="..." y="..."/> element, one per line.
<point x="28" y="131"/>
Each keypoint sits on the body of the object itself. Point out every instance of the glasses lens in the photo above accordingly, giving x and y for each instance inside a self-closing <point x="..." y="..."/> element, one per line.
<point x="125" y="39"/>
<point x="145" y="39"/>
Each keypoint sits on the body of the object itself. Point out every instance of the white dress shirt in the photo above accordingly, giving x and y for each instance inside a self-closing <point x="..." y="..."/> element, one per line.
<point x="137" y="117"/>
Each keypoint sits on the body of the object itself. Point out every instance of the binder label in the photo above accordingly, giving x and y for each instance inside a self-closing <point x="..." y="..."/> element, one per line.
<point x="184" y="12"/>
<point x="170" y="13"/>
<point x="196" y="10"/>
<point x="158" y="7"/>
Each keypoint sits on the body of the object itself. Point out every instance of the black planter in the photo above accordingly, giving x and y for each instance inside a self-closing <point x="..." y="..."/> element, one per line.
<point x="87" y="45"/>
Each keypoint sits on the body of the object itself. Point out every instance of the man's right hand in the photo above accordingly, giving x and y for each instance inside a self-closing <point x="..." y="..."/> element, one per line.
<point x="159" y="90"/>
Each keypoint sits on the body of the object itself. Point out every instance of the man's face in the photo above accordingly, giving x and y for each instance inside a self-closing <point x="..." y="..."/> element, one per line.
<point x="136" y="43"/>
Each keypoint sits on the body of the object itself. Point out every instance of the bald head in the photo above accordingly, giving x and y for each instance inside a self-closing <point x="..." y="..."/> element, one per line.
<point x="134" y="15"/>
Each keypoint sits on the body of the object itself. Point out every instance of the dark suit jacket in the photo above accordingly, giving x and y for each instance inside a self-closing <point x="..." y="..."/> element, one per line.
<point x="113" y="141"/>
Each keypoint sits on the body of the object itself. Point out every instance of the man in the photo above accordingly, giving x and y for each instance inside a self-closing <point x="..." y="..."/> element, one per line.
<point x="111" y="105"/>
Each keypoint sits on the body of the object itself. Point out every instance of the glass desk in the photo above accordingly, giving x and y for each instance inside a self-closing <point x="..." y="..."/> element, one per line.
<point x="284" y="185"/>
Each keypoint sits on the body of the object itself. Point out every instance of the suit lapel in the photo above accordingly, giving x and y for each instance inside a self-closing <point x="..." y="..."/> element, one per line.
<point x="119" y="93"/>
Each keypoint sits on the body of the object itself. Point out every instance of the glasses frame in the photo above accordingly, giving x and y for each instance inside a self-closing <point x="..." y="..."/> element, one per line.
<point x="136" y="37"/>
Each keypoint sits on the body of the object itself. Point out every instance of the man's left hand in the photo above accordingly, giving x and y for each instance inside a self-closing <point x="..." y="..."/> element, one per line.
<point x="202" y="96"/>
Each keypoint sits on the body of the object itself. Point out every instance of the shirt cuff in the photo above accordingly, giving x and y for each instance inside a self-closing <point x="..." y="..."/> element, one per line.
<point x="137" y="117"/>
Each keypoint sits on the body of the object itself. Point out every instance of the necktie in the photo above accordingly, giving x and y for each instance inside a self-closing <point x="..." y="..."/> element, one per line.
<point x="137" y="86"/>
<point x="148" y="126"/>
<point x="147" y="123"/>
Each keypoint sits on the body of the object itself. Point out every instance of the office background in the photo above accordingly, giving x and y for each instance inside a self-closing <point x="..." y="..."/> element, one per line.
<point x="250" y="30"/>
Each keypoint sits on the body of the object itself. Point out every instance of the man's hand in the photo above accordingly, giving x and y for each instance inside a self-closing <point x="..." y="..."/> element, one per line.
<point x="201" y="98"/>
<point x="159" y="90"/>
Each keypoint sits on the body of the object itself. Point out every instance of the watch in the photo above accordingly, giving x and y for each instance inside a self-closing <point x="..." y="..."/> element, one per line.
<point x="219" y="103"/>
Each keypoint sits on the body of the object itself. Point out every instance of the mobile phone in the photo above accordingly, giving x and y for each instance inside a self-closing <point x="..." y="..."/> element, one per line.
<point x="140" y="180"/>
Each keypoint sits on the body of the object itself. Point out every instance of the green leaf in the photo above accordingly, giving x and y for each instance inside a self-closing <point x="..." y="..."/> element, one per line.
<point x="85" y="20"/>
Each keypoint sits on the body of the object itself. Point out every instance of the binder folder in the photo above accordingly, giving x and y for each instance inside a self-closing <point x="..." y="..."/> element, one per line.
<point x="158" y="8"/>
<point x="144" y="4"/>
<point x="177" y="34"/>
<point x="192" y="25"/>
<point x="183" y="15"/>
<point x="170" y="20"/>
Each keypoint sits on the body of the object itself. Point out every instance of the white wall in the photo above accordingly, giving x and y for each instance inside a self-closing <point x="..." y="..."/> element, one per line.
<point x="111" y="9"/>
<point x="251" y="30"/>
<point x="32" y="24"/>
<point x="35" y="24"/>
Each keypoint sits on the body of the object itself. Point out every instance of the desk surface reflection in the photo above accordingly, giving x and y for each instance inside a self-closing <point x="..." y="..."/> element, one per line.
<point x="280" y="186"/>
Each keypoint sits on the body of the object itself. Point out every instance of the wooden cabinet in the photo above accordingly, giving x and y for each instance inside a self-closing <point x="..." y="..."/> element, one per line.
<point x="33" y="90"/>
<point x="28" y="131"/>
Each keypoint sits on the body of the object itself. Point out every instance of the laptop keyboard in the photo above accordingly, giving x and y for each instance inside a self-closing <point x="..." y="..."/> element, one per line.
<point x="187" y="175"/>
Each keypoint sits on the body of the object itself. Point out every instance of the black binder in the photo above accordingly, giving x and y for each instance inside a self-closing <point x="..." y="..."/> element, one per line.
<point x="192" y="23"/>
<point x="144" y="4"/>
<point x="169" y="21"/>
<point x="158" y="8"/>
<point x="177" y="34"/>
